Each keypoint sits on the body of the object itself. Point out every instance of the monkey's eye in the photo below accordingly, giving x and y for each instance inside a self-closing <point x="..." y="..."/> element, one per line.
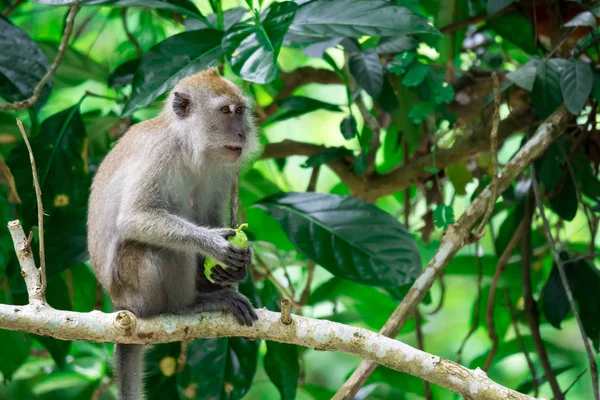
<point x="239" y="110"/>
<point x="225" y="110"/>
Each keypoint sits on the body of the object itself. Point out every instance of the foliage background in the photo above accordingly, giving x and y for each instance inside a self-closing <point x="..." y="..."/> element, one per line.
<point x="428" y="93"/>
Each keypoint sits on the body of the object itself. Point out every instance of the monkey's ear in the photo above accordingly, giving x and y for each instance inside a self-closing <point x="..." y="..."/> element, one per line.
<point x="181" y="104"/>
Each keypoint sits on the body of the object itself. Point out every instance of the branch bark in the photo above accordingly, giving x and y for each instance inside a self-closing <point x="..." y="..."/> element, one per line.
<point x="124" y="327"/>
<point x="456" y="237"/>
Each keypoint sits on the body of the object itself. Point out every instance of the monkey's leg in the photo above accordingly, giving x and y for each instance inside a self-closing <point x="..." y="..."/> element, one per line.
<point x="128" y="359"/>
<point x="227" y="300"/>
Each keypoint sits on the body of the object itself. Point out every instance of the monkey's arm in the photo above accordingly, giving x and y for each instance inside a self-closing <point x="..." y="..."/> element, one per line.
<point x="158" y="227"/>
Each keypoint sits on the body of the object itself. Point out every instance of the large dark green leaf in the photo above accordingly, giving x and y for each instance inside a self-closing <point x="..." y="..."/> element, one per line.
<point x="282" y="366"/>
<point x="525" y="76"/>
<point x="495" y="6"/>
<point x="13" y="352"/>
<point x="395" y="44"/>
<point x="564" y="200"/>
<point x="576" y="80"/>
<point x="186" y="7"/>
<point x="281" y="361"/>
<point x="546" y="94"/>
<point x="59" y="152"/>
<point x="348" y="127"/>
<point x="357" y="18"/>
<point x="351" y="238"/>
<point x="75" y="67"/>
<point x="169" y="61"/>
<point x="123" y="74"/>
<point x="584" y="281"/>
<point x="22" y="65"/>
<point x="253" y="48"/>
<point x="295" y="106"/>
<point x="230" y="18"/>
<point x="368" y="71"/>
<point x="517" y="29"/>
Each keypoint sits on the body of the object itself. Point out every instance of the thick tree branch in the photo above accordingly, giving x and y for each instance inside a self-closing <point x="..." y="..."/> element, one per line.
<point x="457" y="236"/>
<point x="124" y="327"/>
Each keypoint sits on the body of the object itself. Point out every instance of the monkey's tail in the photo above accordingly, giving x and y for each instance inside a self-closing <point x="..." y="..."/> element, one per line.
<point x="129" y="363"/>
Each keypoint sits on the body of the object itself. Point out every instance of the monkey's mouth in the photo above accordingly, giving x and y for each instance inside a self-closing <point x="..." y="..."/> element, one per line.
<point x="236" y="149"/>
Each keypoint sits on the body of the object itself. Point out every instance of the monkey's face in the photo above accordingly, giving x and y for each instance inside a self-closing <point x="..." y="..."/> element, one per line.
<point x="229" y="129"/>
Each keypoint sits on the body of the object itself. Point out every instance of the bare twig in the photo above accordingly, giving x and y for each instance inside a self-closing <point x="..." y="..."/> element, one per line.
<point x="130" y="36"/>
<point x="28" y="269"/>
<point x="182" y="359"/>
<point x="457" y="236"/>
<point x="312" y="184"/>
<point x="100" y="390"/>
<point x="489" y="311"/>
<point x="515" y="323"/>
<point x="530" y="306"/>
<point x="13" y="195"/>
<point x="494" y="151"/>
<point x="40" y="209"/>
<point x="565" y="282"/>
<point x="12" y="7"/>
<point x="310" y="270"/>
<point x="62" y="48"/>
<point x="421" y="346"/>
<point x="477" y="311"/>
<point x="286" y="312"/>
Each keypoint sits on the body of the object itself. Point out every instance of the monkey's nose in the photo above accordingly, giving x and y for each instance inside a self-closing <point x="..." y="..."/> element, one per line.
<point x="241" y="134"/>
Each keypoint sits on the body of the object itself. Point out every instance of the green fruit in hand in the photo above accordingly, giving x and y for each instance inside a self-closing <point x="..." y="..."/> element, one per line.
<point x="239" y="239"/>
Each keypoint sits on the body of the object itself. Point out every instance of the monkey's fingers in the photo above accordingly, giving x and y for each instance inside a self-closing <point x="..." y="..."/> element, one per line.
<point x="224" y="276"/>
<point x="243" y="311"/>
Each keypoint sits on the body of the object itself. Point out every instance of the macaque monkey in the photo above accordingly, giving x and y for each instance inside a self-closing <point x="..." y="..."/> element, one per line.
<point x="157" y="209"/>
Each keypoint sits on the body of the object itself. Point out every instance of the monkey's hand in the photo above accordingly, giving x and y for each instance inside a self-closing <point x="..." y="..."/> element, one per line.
<point x="227" y="276"/>
<point x="222" y="250"/>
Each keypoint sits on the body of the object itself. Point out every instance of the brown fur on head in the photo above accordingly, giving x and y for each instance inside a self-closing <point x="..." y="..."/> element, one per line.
<point x="214" y="116"/>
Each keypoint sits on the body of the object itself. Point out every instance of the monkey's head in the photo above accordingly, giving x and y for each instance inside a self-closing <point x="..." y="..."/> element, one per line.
<point x="217" y="117"/>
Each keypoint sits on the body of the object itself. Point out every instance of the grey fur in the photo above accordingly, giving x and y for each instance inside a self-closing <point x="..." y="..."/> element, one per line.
<point x="157" y="209"/>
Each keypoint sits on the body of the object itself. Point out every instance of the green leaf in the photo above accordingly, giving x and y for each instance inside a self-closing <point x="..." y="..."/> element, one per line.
<point x="420" y="111"/>
<point x="401" y="62"/>
<point x="576" y="81"/>
<point x="281" y="362"/>
<point x="75" y="67"/>
<point x="460" y="177"/>
<point x="546" y="94"/>
<point x="283" y="367"/>
<point x="528" y="386"/>
<point x="443" y="216"/>
<point x="123" y="74"/>
<point x="564" y="203"/>
<point x="255" y="186"/>
<point x="495" y="6"/>
<point x="185" y="7"/>
<point x="416" y="74"/>
<point x="584" y="281"/>
<point x="295" y="106"/>
<point x="368" y="71"/>
<point x="525" y="76"/>
<point x="22" y="65"/>
<point x="171" y="60"/>
<point x="357" y="18"/>
<point x="327" y="156"/>
<point x="350" y="238"/>
<point x="396" y="44"/>
<point x="13" y="352"/>
<point x="585" y="18"/>
<point x="252" y="48"/>
<point x="596" y="86"/>
<point x="551" y="168"/>
<point x="442" y="92"/>
<point x="517" y="29"/>
<point x="348" y="127"/>
<point x="230" y="18"/>
<point x="59" y="155"/>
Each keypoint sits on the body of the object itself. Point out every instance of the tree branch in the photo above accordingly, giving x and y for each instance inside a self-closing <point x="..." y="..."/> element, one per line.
<point x="62" y="48"/>
<point x="124" y="327"/>
<point x="457" y="236"/>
